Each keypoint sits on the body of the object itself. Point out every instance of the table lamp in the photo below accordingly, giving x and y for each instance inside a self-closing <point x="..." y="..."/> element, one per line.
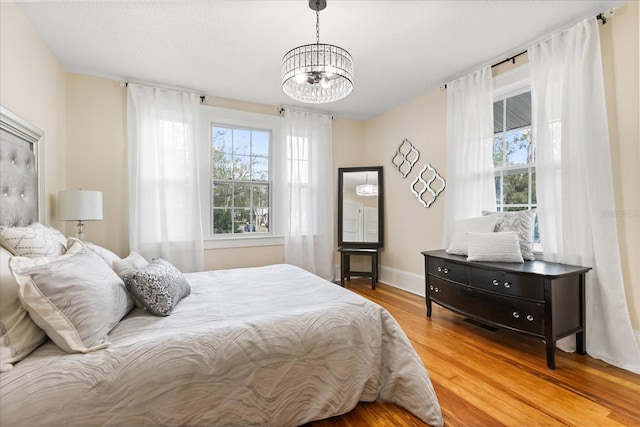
<point x="79" y="205"/>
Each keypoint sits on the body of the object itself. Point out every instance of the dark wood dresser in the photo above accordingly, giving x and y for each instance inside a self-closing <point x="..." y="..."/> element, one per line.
<point x="539" y="298"/>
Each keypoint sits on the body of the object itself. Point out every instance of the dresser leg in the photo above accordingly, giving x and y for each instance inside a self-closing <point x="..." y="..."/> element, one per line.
<point x="581" y="343"/>
<point x="428" y="307"/>
<point x="551" y="350"/>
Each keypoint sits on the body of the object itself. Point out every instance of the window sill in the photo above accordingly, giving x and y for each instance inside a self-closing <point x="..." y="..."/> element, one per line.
<point x="242" y="242"/>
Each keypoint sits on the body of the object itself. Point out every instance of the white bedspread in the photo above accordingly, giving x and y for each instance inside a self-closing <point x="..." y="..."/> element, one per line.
<point x="272" y="346"/>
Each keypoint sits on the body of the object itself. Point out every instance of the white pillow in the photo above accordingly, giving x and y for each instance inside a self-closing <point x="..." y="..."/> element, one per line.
<point x="19" y="335"/>
<point x="459" y="241"/>
<point x="133" y="262"/>
<point x="109" y="257"/>
<point x="495" y="247"/>
<point x="33" y="241"/>
<point x="76" y="298"/>
<point x="523" y="223"/>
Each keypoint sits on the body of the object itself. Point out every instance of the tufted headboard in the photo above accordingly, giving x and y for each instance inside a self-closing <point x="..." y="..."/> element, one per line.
<point x="20" y="188"/>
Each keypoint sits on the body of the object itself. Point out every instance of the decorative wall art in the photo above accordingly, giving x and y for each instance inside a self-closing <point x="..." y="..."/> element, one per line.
<point x="425" y="185"/>
<point x="406" y="156"/>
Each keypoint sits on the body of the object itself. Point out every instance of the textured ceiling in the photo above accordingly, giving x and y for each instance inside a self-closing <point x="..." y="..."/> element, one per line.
<point x="233" y="48"/>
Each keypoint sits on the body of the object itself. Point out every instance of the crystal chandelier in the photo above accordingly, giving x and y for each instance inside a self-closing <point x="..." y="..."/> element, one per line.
<point x="367" y="189"/>
<point x="317" y="73"/>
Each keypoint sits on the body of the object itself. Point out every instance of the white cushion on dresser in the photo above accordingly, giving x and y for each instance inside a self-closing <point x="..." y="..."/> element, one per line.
<point x="496" y="247"/>
<point x="459" y="240"/>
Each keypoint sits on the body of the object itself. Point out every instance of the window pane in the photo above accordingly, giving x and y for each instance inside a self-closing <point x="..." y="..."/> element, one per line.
<point x="519" y="149"/>
<point x="534" y="198"/>
<point x="262" y="219"/>
<point x="261" y="196"/>
<point x="498" y="191"/>
<point x="498" y="116"/>
<point x="260" y="169"/>
<point x="242" y="141"/>
<point x="222" y="195"/>
<point x="242" y="221"/>
<point x="222" y="139"/>
<point x="260" y="144"/>
<point x="516" y="188"/>
<point x="222" y="221"/>
<point x="242" y="196"/>
<point x="498" y="152"/>
<point x="241" y="167"/>
<point x="518" y="111"/>
<point x="221" y="165"/>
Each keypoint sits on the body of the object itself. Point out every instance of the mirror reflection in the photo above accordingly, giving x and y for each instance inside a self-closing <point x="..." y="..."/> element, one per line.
<point x="360" y="206"/>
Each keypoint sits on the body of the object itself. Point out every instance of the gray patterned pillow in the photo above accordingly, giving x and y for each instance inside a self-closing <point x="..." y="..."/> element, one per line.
<point x="159" y="286"/>
<point x="522" y="222"/>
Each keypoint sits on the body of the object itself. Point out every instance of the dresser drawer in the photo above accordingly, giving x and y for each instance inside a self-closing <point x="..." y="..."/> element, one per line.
<point x="513" y="284"/>
<point x="525" y="316"/>
<point x="449" y="270"/>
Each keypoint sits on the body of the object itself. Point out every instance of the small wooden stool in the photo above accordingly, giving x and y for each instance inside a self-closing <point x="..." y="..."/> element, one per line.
<point x="345" y="264"/>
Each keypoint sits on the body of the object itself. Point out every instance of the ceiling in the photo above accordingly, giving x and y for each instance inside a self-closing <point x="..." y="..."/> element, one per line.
<point x="232" y="48"/>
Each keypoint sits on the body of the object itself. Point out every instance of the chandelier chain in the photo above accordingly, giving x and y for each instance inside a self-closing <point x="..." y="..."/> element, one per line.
<point x="317" y="25"/>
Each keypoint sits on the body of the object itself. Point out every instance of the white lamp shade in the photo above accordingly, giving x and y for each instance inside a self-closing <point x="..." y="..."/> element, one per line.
<point x="79" y="205"/>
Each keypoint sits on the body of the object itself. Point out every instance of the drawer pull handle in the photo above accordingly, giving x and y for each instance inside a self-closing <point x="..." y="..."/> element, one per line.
<point x="439" y="268"/>
<point x="495" y="282"/>
<point x="436" y="290"/>
<point x="443" y="269"/>
<point x="431" y="287"/>
<point x="529" y="318"/>
<point x="507" y="285"/>
<point x="516" y="314"/>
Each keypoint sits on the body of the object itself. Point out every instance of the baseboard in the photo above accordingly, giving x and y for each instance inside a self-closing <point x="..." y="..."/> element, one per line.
<point x="410" y="282"/>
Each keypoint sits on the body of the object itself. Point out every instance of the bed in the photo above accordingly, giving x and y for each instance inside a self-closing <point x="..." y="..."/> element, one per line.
<point x="273" y="345"/>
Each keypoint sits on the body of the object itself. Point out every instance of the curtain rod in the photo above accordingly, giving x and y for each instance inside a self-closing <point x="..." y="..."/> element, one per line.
<point x="603" y="16"/>
<point x="302" y="110"/>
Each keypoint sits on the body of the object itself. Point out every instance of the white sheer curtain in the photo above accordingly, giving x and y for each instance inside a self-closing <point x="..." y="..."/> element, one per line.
<point x="574" y="184"/>
<point x="469" y="174"/>
<point x="164" y="201"/>
<point x="306" y="198"/>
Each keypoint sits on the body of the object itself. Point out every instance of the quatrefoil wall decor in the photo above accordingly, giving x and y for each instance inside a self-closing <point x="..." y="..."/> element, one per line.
<point x="426" y="185"/>
<point x="406" y="156"/>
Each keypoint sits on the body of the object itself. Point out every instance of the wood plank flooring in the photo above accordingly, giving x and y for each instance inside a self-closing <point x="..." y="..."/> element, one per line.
<point x="486" y="377"/>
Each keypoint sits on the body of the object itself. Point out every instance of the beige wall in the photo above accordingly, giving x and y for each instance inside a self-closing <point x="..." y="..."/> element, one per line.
<point x="96" y="155"/>
<point x="409" y="227"/>
<point x="32" y="85"/>
<point x="620" y="40"/>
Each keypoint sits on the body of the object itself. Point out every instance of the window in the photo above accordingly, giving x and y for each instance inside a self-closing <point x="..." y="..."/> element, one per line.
<point x="514" y="154"/>
<point x="240" y="184"/>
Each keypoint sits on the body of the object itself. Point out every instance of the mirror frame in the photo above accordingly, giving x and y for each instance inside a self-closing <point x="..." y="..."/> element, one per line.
<point x="371" y="245"/>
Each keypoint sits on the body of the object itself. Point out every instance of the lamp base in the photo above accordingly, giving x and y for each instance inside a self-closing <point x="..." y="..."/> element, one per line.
<point x="80" y="233"/>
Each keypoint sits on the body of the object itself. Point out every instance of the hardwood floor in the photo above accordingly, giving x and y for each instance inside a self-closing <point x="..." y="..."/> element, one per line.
<point x="486" y="377"/>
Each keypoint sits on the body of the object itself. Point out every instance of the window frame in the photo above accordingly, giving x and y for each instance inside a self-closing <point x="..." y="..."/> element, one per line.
<point x="218" y="116"/>
<point x="508" y="84"/>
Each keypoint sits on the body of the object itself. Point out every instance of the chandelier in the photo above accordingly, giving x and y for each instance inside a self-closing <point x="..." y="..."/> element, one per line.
<point x="317" y="73"/>
<point x="367" y="189"/>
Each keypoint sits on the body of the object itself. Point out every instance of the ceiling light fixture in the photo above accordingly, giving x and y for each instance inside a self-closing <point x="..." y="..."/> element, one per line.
<point x="317" y="73"/>
<point x="366" y="189"/>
